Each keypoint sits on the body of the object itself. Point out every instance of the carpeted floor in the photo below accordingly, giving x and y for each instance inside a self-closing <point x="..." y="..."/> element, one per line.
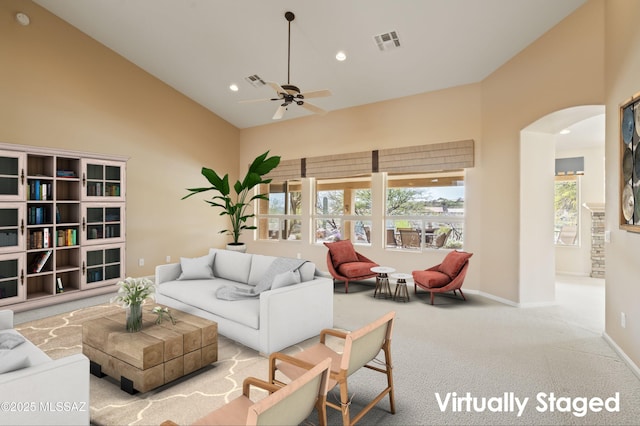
<point x="478" y="348"/>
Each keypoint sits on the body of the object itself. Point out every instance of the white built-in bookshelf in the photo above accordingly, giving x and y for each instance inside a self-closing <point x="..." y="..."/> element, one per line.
<point x="62" y="225"/>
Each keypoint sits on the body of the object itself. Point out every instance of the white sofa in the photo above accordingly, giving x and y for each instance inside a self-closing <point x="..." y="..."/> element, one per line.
<point x="275" y="319"/>
<point x="41" y="391"/>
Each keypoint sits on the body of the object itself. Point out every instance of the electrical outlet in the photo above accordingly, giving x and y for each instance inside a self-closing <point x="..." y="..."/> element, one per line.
<point x="141" y="262"/>
<point x="299" y="256"/>
<point x="607" y="236"/>
<point x="168" y="259"/>
<point x="623" y="320"/>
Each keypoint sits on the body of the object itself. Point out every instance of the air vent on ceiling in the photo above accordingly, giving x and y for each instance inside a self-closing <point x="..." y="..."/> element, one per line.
<point x="255" y="80"/>
<point x="387" y="41"/>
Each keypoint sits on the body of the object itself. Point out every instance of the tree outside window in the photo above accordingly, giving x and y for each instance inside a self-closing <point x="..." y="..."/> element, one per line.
<point x="566" y="211"/>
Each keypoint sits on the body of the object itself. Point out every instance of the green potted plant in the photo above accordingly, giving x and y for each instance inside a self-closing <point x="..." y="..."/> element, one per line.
<point x="235" y="204"/>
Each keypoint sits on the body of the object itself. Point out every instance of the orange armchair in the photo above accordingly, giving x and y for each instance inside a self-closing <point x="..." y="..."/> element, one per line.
<point x="345" y="264"/>
<point x="446" y="276"/>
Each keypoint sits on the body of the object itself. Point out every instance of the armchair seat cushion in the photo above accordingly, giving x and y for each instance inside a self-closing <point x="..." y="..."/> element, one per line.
<point x="356" y="269"/>
<point x="431" y="279"/>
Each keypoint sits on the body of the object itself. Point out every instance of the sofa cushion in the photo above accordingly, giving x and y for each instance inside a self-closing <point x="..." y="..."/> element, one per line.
<point x="453" y="263"/>
<point x="35" y="355"/>
<point x="307" y="272"/>
<point x="285" y="279"/>
<point x="259" y="266"/>
<point x="356" y="269"/>
<point x="342" y="252"/>
<point x="202" y="295"/>
<point x="197" y="268"/>
<point x="10" y="340"/>
<point x="232" y="265"/>
<point x="12" y="360"/>
<point x="431" y="279"/>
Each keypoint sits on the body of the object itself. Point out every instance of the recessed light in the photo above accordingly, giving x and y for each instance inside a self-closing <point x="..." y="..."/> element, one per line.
<point x="341" y="56"/>
<point x="565" y="131"/>
<point x="233" y="87"/>
<point x="23" y="19"/>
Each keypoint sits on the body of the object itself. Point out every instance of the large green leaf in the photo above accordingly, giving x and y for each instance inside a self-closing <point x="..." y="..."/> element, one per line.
<point x="235" y="208"/>
<point x="218" y="183"/>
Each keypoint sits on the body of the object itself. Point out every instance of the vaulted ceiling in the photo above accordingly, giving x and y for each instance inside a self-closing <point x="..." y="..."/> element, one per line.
<point x="201" y="47"/>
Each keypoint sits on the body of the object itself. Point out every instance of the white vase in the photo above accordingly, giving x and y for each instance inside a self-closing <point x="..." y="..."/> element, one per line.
<point x="240" y="247"/>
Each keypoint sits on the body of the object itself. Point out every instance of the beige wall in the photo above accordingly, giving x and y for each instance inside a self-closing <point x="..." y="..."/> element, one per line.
<point x="623" y="268"/>
<point x="563" y="68"/>
<point x="59" y="88"/>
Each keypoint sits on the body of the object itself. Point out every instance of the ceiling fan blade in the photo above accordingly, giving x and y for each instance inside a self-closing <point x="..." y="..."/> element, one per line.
<point x="313" y="108"/>
<point x="315" y="94"/>
<point x="280" y="112"/>
<point x="276" y="87"/>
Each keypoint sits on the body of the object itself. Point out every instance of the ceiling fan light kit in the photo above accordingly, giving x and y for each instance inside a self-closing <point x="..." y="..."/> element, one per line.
<point x="288" y="94"/>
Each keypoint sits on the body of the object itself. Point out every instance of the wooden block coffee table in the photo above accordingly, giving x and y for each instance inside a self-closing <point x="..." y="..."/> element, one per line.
<point x="158" y="354"/>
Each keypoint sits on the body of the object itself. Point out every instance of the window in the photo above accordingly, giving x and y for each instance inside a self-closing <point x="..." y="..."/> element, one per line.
<point x="343" y="210"/>
<point x="567" y="218"/>
<point x="280" y="216"/>
<point x="425" y="211"/>
<point x="421" y="211"/>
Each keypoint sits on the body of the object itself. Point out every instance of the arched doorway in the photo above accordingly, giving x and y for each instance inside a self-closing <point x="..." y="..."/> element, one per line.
<point x="540" y="143"/>
<point x="551" y="274"/>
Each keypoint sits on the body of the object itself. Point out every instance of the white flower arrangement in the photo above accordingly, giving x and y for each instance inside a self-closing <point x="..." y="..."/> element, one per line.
<point x="161" y="312"/>
<point x="134" y="291"/>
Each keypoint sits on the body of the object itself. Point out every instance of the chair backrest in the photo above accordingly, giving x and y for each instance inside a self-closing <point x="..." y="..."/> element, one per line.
<point x="293" y="403"/>
<point x="441" y="239"/>
<point x="363" y="345"/>
<point x="391" y="237"/>
<point x="409" y="237"/>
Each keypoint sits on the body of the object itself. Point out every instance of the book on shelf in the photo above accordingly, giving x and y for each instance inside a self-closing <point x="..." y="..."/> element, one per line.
<point x="46" y="240"/>
<point x="66" y="173"/>
<point x="40" y="260"/>
<point x="59" y="286"/>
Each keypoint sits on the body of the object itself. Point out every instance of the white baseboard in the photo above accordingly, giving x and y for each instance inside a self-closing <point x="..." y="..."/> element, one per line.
<point x="492" y="297"/>
<point x="622" y="355"/>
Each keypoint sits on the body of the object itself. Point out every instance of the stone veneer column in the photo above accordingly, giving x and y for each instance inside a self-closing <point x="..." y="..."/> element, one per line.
<point x="597" y="239"/>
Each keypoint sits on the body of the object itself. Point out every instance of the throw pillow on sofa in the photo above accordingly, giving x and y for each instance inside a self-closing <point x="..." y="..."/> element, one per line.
<point x="198" y="268"/>
<point x="10" y="340"/>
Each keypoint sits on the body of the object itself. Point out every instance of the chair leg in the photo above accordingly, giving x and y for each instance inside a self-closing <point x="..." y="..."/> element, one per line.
<point x="344" y="403"/>
<point x="346" y="286"/>
<point x="392" y="403"/>
<point x="431" y="297"/>
<point x="321" y="408"/>
<point x="462" y="294"/>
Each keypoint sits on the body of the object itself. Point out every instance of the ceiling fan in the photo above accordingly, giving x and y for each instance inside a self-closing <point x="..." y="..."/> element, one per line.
<point x="288" y="94"/>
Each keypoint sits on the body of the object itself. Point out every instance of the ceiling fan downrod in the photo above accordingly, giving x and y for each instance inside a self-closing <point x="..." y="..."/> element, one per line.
<point x="289" y="16"/>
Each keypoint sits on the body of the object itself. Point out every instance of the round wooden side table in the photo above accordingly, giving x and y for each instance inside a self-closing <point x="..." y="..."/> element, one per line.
<point x="401" y="294"/>
<point x="382" y="291"/>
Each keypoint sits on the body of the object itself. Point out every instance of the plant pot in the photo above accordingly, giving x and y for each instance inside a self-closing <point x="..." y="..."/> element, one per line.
<point x="241" y="247"/>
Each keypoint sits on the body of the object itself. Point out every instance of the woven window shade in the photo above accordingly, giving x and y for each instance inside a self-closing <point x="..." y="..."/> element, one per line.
<point x="427" y="158"/>
<point x="341" y="165"/>
<point x="286" y="170"/>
